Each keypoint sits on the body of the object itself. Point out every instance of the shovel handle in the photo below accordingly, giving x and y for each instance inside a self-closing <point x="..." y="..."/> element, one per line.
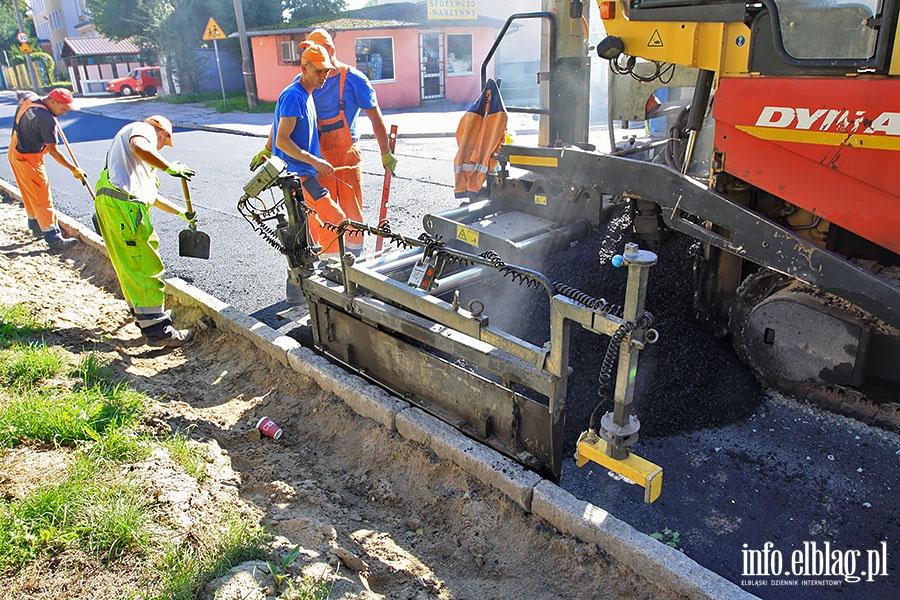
<point x="62" y="136"/>
<point x="187" y="195"/>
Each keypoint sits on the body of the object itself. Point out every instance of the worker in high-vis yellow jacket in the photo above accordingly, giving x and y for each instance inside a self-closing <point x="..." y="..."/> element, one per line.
<point x="127" y="188"/>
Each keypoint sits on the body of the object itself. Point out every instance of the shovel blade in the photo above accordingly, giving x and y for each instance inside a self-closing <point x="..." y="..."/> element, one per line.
<point x="193" y="244"/>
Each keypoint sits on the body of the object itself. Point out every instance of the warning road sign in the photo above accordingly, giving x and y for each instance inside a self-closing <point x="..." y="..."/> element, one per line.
<point x="213" y="31"/>
<point x="26" y="48"/>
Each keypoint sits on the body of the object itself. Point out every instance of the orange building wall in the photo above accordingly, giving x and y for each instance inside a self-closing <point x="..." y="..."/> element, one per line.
<point x="402" y="91"/>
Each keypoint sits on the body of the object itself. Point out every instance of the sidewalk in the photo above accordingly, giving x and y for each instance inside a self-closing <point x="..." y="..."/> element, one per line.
<point x="433" y="121"/>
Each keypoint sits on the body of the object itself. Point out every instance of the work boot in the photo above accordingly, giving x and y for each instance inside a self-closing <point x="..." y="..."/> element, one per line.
<point x="57" y="242"/>
<point x="171" y="338"/>
<point x="35" y="228"/>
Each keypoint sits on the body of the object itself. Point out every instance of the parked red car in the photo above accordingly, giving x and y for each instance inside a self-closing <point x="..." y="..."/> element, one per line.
<point x="143" y="80"/>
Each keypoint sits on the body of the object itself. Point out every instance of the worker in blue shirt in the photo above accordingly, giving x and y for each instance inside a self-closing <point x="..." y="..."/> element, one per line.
<point x="295" y="139"/>
<point x="345" y="94"/>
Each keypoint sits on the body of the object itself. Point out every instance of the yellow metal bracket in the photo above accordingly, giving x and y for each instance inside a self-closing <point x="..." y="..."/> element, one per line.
<point x="633" y="467"/>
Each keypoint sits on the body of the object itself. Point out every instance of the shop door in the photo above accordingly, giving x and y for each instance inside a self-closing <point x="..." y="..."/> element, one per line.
<point x="431" y="65"/>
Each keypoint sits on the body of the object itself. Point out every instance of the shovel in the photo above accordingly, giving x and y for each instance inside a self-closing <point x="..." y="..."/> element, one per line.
<point x="192" y="243"/>
<point x="94" y="219"/>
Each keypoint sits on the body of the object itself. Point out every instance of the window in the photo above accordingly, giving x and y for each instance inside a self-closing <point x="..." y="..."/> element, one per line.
<point x="289" y="52"/>
<point x="459" y="54"/>
<point x="56" y="20"/>
<point x="375" y="58"/>
<point x="810" y="31"/>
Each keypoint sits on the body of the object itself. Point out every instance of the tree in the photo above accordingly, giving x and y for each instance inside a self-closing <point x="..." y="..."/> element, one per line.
<point x="174" y="28"/>
<point x="308" y="9"/>
<point x="130" y="19"/>
<point x="9" y="27"/>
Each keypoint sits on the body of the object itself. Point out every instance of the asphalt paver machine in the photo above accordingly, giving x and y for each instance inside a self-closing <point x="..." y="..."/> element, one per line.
<point x="780" y="163"/>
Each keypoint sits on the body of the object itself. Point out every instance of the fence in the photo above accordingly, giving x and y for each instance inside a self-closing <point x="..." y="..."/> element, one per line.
<point x="16" y="77"/>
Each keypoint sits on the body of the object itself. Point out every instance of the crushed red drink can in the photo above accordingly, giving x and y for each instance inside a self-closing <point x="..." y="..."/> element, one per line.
<point x="268" y="427"/>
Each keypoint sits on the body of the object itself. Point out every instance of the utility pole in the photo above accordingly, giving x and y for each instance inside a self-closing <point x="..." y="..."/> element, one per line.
<point x="246" y="60"/>
<point x="28" y="63"/>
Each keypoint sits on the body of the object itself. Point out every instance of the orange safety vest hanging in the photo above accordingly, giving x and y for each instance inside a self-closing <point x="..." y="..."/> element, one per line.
<point x="31" y="176"/>
<point x="479" y="134"/>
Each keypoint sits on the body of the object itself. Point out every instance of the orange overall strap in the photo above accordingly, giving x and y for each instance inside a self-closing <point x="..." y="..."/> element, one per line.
<point x="334" y="133"/>
<point x="337" y="147"/>
<point x="26" y="104"/>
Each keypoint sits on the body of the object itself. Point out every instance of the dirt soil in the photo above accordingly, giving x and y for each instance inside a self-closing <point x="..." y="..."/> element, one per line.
<point x="379" y="516"/>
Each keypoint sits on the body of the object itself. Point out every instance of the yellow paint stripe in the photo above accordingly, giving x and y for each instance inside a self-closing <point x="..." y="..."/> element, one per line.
<point x="534" y="161"/>
<point x="823" y="138"/>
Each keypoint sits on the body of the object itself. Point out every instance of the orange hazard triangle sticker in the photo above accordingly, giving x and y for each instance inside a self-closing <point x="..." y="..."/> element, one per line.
<point x="655" y="40"/>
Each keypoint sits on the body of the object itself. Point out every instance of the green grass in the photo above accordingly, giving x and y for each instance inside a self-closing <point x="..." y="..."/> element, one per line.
<point x="58" y="418"/>
<point x="23" y="366"/>
<point x="17" y="323"/>
<point x="236" y="101"/>
<point x="93" y="370"/>
<point x="307" y="588"/>
<point x="99" y="515"/>
<point x="51" y="398"/>
<point x="181" y="569"/>
<point x="187" y="455"/>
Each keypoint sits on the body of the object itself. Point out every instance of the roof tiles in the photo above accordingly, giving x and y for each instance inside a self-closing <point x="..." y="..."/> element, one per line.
<point x="94" y="46"/>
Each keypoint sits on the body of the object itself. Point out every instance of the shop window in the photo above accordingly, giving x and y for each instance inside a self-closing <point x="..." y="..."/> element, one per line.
<point x="459" y="54"/>
<point x="375" y="58"/>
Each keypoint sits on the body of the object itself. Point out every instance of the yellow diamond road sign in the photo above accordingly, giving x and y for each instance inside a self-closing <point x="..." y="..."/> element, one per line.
<point x="213" y="31"/>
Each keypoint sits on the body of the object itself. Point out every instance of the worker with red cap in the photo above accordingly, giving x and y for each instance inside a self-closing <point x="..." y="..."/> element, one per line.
<point x="295" y="139"/>
<point x="346" y="93"/>
<point x="127" y="188"/>
<point x="33" y="137"/>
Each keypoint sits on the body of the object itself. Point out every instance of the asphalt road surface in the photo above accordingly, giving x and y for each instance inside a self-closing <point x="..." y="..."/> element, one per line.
<point x="782" y="473"/>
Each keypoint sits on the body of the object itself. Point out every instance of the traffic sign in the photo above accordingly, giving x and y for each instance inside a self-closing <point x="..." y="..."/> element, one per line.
<point x="213" y="31"/>
<point x="26" y="48"/>
<point x="22" y="37"/>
